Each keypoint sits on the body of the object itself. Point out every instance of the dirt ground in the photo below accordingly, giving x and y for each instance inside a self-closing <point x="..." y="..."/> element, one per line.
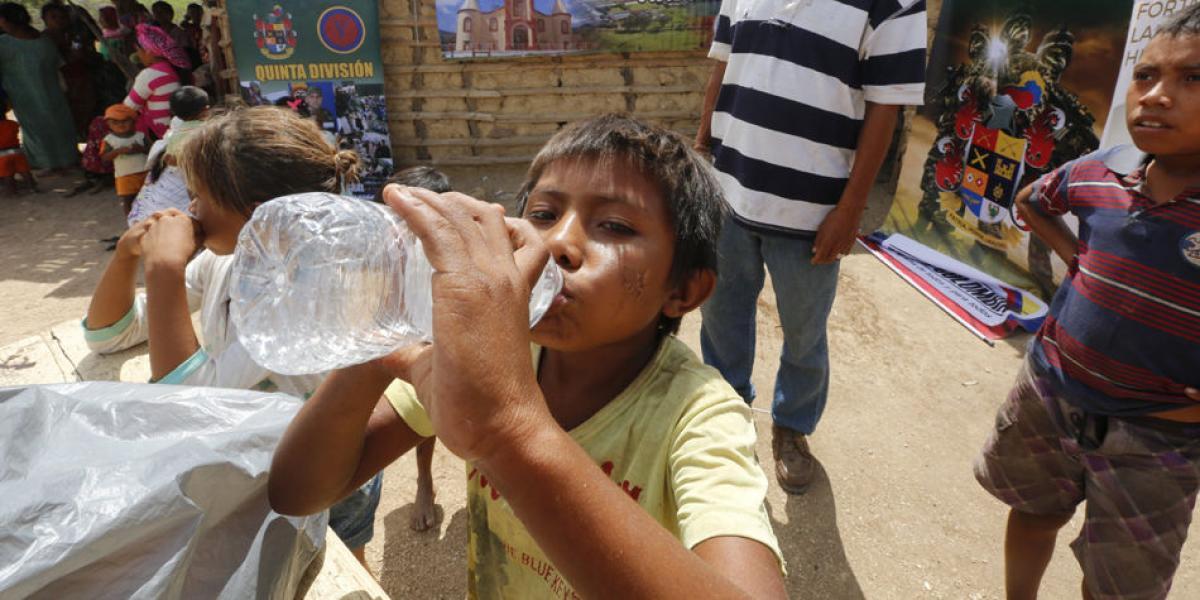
<point x="896" y="513"/>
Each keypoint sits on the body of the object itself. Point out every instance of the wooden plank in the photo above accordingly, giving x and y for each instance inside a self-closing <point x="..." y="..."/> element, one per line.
<point x="407" y="22"/>
<point x="412" y="43"/>
<point x="440" y="116"/>
<point x="493" y="66"/>
<point x="475" y="161"/>
<point x="342" y="577"/>
<point x="549" y="91"/>
<point x="526" y="140"/>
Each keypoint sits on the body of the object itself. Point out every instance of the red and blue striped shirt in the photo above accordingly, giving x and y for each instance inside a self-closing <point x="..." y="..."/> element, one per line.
<point x="1123" y="334"/>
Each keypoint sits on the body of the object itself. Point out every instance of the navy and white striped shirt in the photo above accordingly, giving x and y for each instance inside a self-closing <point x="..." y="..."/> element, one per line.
<point x="798" y="76"/>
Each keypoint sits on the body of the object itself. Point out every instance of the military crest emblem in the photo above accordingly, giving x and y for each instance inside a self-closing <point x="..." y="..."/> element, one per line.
<point x="992" y="170"/>
<point x="274" y="34"/>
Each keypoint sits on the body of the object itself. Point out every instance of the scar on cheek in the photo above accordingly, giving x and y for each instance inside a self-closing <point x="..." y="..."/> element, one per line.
<point x="634" y="281"/>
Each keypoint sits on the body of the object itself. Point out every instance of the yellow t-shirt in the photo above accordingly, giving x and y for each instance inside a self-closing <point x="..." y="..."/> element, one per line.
<point x="678" y="440"/>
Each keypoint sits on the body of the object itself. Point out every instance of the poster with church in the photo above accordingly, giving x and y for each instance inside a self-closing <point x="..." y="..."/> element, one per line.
<point x="499" y="28"/>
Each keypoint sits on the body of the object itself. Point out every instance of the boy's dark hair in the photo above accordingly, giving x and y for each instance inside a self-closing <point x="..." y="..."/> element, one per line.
<point x="188" y="102"/>
<point x="161" y="5"/>
<point x="1187" y="22"/>
<point x="15" y="13"/>
<point x="694" y="200"/>
<point x="422" y="177"/>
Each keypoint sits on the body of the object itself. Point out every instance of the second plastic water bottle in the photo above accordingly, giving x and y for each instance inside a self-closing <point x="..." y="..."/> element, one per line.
<point x="322" y="281"/>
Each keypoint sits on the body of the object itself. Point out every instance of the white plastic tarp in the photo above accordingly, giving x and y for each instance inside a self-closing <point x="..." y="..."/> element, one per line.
<point x="122" y="490"/>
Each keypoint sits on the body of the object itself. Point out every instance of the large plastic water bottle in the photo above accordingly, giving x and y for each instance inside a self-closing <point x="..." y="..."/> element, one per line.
<point x="322" y="281"/>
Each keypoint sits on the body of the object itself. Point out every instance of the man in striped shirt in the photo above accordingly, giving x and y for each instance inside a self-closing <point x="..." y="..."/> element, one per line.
<point x="1107" y="407"/>
<point x="798" y="114"/>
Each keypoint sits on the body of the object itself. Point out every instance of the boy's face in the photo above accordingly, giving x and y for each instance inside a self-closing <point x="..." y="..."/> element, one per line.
<point x="1163" y="105"/>
<point x="313" y="99"/>
<point x="608" y="228"/>
<point x="120" y="126"/>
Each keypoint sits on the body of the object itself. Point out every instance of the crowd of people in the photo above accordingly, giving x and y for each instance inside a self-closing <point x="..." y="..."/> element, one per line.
<point x="600" y="449"/>
<point x="82" y="67"/>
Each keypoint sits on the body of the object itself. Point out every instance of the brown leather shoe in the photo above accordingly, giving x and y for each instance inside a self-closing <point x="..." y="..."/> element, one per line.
<point x="794" y="463"/>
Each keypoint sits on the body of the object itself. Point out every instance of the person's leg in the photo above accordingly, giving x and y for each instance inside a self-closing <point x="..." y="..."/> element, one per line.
<point x="353" y="519"/>
<point x="1031" y="463"/>
<point x="424" y="515"/>
<point x="127" y="203"/>
<point x="10" y="185"/>
<point x="727" y="330"/>
<point x="31" y="180"/>
<point x="1028" y="545"/>
<point x="1141" y="487"/>
<point x="804" y="295"/>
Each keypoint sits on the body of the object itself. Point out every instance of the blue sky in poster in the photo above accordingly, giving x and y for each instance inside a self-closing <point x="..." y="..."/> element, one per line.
<point x="447" y="10"/>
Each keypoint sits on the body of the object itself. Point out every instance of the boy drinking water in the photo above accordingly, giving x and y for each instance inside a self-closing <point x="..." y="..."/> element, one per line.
<point x="1106" y="410"/>
<point x="611" y="463"/>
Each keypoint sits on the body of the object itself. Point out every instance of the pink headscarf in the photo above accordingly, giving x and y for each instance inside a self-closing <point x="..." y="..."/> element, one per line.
<point x="157" y="42"/>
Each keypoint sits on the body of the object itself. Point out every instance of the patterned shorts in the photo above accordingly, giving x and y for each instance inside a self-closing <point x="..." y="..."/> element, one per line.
<point x="1139" y="481"/>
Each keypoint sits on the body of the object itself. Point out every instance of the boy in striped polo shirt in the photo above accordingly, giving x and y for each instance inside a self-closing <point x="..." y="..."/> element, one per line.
<point x="798" y="114"/>
<point x="1106" y="409"/>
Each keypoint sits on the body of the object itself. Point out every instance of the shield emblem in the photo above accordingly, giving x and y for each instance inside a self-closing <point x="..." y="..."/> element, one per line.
<point x="992" y="170"/>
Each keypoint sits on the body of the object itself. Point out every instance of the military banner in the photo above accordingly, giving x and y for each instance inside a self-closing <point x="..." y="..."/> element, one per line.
<point x="1014" y="89"/>
<point x="1148" y="16"/>
<point x="486" y="28"/>
<point x="322" y="60"/>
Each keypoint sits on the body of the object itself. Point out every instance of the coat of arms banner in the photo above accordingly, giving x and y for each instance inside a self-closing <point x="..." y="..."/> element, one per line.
<point x="321" y="60"/>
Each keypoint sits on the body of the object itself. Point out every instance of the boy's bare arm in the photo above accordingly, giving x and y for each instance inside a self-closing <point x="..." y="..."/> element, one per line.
<point x="485" y="405"/>
<point x="838" y="231"/>
<point x="342" y="436"/>
<point x="1052" y="230"/>
<point x="711" y="91"/>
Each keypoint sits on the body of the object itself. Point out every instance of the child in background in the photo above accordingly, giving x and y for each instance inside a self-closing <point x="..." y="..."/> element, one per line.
<point x="1106" y="409"/>
<point x="233" y="163"/>
<point x="600" y="449"/>
<point x="12" y="157"/>
<point x="126" y="148"/>
<point x="97" y="172"/>
<point x="165" y="187"/>
<point x="116" y="35"/>
<point x="424" y="516"/>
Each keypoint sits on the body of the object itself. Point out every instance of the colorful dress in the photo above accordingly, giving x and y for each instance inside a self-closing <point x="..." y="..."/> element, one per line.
<point x="30" y="72"/>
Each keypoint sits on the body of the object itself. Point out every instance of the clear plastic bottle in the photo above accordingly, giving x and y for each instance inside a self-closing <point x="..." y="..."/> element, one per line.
<point x="322" y="281"/>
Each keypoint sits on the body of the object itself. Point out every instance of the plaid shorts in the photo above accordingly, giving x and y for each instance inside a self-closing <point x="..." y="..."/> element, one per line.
<point x="1138" y="476"/>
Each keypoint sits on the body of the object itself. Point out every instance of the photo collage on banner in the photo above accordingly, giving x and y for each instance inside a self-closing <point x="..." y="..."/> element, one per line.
<point x="321" y="60"/>
<point x="1014" y="90"/>
<point x="488" y="28"/>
